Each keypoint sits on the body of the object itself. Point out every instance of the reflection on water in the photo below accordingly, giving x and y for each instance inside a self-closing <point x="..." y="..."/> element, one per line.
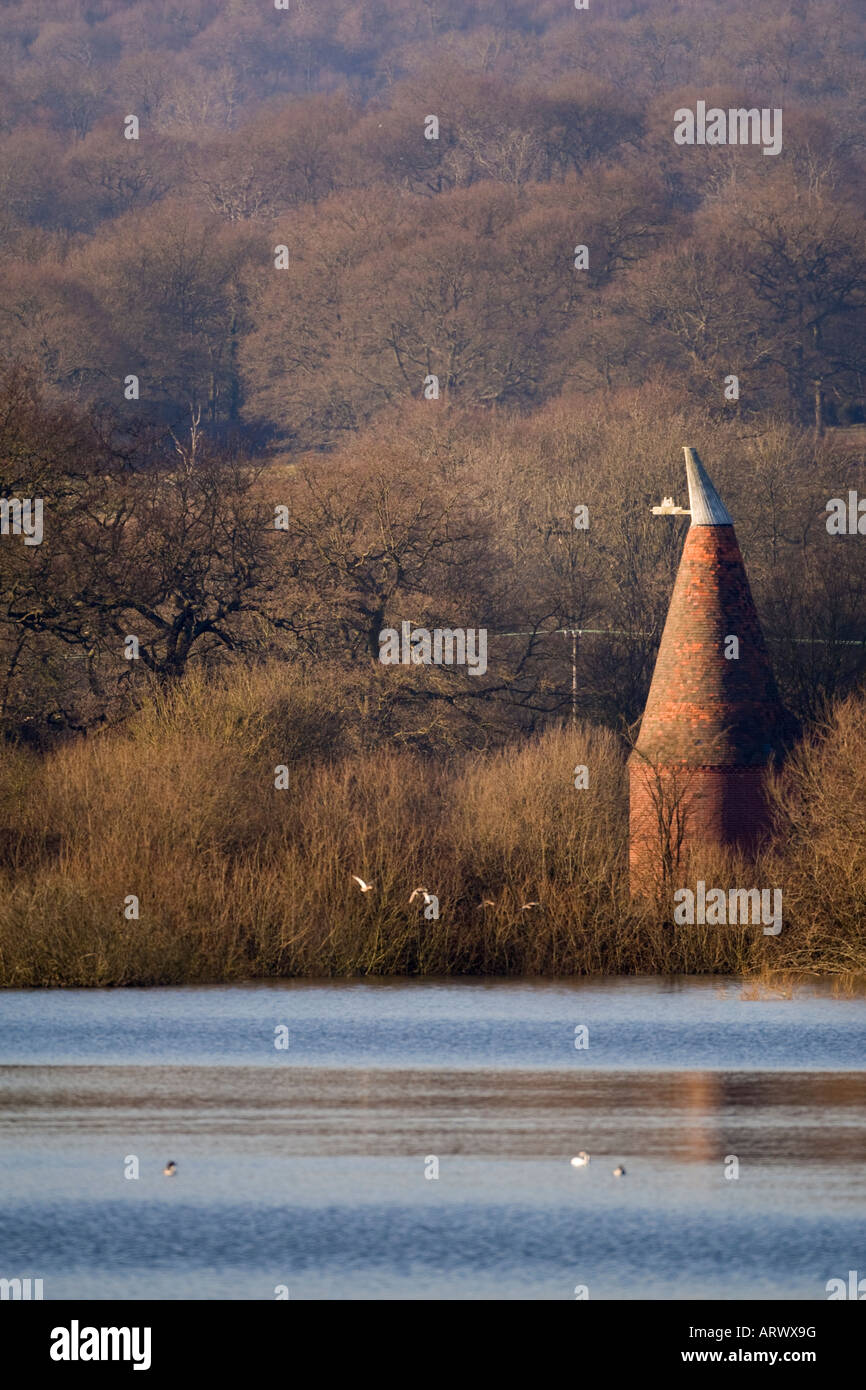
<point x="306" y="1167"/>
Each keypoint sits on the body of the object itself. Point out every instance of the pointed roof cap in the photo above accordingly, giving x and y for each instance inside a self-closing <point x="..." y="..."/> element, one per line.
<point x="706" y="505"/>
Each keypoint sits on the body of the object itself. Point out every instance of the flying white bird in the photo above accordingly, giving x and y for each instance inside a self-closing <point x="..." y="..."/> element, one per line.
<point x="170" y="1169"/>
<point x="526" y="906"/>
<point x="619" y="1172"/>
<point x="422" y="892"/>
<point x="581" y="1160"/>
<point x="487" y="902"/>
<point x="364" y="887"/>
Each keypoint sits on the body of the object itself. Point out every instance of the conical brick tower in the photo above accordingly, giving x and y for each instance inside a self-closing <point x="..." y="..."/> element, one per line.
<point x="713" y="717"/>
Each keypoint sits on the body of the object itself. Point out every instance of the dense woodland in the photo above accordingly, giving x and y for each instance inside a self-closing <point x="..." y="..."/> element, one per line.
<point x="408" y="257"/>
<point x="296" y="385"/>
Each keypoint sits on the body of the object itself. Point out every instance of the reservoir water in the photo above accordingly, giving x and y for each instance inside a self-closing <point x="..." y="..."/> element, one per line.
<point x="397" y="1139"/>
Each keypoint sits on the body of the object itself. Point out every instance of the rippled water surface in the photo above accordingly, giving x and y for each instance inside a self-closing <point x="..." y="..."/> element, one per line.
<point x="305" y="1166"/>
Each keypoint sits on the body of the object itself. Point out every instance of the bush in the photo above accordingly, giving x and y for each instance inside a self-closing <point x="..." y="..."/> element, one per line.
<point x="237" y="879"/>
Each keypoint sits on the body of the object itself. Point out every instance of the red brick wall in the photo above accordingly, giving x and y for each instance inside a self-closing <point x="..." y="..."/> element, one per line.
<point x="712" y="724"/>
<point x="704" y="709"/>
<point x="721" y="807"/>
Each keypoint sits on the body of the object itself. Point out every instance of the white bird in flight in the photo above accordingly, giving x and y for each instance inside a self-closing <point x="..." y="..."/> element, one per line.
<point x="525" y="906"/>
<point x="580" y="1160"/>
<point x="422" y="892"/>
<point x="619" y="1172"/>
<point x="364" y="887"/>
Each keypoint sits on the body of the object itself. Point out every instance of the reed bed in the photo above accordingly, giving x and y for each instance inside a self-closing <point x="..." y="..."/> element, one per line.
<point x="237" y="879"/>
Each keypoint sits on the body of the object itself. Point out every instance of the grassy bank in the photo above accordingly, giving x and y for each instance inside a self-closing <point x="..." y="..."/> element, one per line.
<point x="237" y="879"/>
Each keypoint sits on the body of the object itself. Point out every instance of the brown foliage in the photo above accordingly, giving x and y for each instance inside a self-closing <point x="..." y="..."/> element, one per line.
<point x="237" y="879"/>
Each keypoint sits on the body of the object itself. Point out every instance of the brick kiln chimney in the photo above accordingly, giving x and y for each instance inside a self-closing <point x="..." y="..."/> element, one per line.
<point x="713" y="718"/>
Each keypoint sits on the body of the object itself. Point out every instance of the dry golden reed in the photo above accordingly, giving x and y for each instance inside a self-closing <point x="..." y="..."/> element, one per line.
<point x="237" y="879"/>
